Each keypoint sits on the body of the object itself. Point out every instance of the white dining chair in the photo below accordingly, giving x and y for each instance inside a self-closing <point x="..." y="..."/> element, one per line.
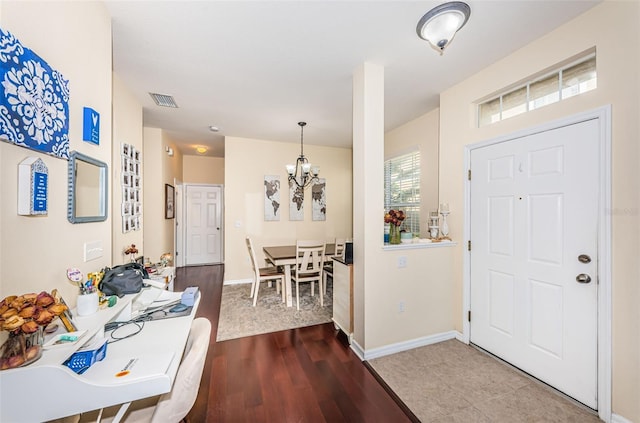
<point x="309" y="261"/>
<point x="173" y="406"/>
<point x="328" y="266"/>
<point x="262" y="274"/>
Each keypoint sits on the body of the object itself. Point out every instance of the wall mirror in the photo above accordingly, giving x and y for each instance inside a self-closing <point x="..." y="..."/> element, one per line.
<point x="87" y="199"/>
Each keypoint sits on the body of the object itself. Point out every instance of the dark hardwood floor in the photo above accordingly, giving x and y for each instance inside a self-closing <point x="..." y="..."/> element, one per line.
<point x="302" y="375"/>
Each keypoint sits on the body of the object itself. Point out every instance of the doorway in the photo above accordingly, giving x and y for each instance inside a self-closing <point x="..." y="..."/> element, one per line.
<point x="202" y="229"/>
<point x="538" y="287"/>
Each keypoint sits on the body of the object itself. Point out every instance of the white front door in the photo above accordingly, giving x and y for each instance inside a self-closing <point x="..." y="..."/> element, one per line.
<point x="203" y="220"/>
<point x="534" y="225"/>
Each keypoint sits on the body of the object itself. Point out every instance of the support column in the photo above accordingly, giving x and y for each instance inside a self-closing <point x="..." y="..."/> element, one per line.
<point x="368" y="187"/>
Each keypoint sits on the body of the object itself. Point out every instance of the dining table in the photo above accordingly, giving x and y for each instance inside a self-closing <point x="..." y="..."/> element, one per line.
<point x="285" y="256"/>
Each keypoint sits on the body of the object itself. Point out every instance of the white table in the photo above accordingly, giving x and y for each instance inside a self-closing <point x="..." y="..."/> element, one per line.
<point x="285" y="256"/>
<point x="46" y="389"/>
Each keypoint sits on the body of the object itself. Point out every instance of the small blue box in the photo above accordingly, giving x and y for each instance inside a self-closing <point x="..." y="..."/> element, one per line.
<point x="189" y="296"/>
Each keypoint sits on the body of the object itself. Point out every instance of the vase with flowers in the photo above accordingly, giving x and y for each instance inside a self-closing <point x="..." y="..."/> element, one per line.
<point x="25" y="317"/>
<point x="131" y="251"/>
<point x="394" y="218"/>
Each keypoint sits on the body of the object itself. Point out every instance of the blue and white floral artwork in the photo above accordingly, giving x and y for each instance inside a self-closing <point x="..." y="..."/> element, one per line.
<point x="34" y="110"/>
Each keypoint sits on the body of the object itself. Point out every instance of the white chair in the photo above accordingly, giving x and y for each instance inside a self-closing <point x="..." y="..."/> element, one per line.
<point x="309" y="262"/>
<point x="173" y="406"/>
<point x="262" y="274"/>
<point x="328" y="266"/>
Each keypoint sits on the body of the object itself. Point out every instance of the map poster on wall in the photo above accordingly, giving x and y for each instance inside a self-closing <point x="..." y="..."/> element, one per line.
<point x="296" y="200"/>
<point x="34" y="105"/>
<point x="319" y="200"/>
<point x="271" y="197"/>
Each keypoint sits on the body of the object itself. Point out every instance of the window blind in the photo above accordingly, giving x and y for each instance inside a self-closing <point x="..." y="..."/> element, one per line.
<point x="402" y="188"/>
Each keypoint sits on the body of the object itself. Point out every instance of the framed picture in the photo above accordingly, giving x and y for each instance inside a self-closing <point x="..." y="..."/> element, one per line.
<point x="169" y="199"/>
<point x="126" y="224"/>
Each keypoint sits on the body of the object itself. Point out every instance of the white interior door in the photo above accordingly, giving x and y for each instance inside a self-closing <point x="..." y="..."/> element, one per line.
<point x="203" y="221"/>
<point x="534" y="221"/>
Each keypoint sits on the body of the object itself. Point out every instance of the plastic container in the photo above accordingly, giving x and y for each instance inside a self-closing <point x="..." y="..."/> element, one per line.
<point x="87" y="304"/>
<point x="82" y="359"/>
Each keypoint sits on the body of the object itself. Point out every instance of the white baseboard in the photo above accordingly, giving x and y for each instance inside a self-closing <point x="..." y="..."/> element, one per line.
<point x="357" y="349"/>
<point x="408" y="345"/>
<point x="237" y="281"/>
<point x="616" y="418"/>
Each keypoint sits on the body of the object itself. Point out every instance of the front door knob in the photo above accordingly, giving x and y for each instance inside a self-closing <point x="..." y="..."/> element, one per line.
<point x="583" y="278"/>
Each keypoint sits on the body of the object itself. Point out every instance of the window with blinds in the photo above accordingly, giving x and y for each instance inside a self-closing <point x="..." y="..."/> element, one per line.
<point x="575" y="78"/>
<point x="402" y="188"/>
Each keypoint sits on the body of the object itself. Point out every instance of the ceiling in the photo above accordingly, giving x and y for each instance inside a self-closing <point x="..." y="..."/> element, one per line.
<point x="256" y="68"/>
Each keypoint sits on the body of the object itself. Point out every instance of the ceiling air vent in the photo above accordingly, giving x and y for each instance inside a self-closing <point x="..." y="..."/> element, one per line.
<point x="164" y="100"/>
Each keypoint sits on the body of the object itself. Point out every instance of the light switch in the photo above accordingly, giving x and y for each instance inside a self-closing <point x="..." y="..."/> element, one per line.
<point x="92" y="250"/>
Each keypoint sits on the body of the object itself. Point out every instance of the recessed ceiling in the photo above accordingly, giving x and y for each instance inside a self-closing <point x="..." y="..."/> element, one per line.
<point x="256" y="68"/>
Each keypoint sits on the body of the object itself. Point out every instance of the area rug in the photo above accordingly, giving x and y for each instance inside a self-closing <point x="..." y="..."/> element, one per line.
<point x="453" y="382"/>
<point x="239" y="318"/>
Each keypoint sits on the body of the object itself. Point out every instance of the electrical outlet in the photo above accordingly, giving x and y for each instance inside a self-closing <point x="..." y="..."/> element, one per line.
<point x="401" y="307"/>
<point x="402" y="262"/>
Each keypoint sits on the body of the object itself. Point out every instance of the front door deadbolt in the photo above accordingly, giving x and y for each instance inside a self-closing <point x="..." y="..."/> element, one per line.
<point x="583" y="258"/>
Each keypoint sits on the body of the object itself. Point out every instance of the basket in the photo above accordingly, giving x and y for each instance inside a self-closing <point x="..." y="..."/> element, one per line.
<point x="81" y="360"/>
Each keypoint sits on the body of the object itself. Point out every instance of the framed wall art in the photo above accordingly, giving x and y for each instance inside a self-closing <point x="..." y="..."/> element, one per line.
<point x="131" y="182"/>
<point x="319" y="200"/>
<point x="271" y="198"/>
<point x="169" y="201"/>
<point x="34" y="110"/>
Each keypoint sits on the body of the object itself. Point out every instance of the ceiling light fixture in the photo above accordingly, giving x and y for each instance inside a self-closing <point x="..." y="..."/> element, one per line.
<point x="201" y="150"/>
<point x="441" y="23"/>
<point x="302" y="173"/>
<point x="214" y="128"/>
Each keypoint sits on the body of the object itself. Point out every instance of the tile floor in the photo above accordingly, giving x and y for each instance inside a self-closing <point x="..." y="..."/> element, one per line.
<point x="453" y="382"/>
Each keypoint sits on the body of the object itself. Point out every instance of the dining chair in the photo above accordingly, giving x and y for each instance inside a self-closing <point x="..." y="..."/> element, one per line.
<point x="327" y="269"/>
<point x="176" y="404"/>
<point x="262" y="274"/>
<point x="309" y="261"/>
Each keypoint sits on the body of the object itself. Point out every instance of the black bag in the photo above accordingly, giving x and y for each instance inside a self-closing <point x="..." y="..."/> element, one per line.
<point x="123" y="279"/>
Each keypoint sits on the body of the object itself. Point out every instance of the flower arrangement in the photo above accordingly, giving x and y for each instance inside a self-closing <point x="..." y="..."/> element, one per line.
<point x="394" y="218"/>
<point x="24" y="317"/>
<point x="131" y="251"/>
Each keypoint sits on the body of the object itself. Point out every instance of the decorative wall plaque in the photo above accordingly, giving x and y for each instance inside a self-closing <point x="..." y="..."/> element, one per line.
<point x="33" y="187"/>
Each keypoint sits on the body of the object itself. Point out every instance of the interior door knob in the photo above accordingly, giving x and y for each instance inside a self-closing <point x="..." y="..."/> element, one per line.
<point x="583" y="278"/>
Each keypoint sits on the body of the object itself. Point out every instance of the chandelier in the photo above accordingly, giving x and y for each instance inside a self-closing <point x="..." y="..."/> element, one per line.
<point x="302" y="173"/>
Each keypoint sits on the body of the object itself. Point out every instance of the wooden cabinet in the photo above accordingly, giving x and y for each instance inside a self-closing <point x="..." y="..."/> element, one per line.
<point x="343" y="296"/>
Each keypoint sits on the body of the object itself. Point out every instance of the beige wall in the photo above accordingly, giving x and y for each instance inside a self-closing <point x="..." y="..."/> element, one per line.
<point x="424" y="285"/>
<point x="247" y="161"/>
<point x="613" y="29"/>
<point x="159" y="169"/>
<point x="203" y="170"/>
<point x="36" y="251"/>
<point x="420" y="134"/>
<point x="127" y="128"/>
